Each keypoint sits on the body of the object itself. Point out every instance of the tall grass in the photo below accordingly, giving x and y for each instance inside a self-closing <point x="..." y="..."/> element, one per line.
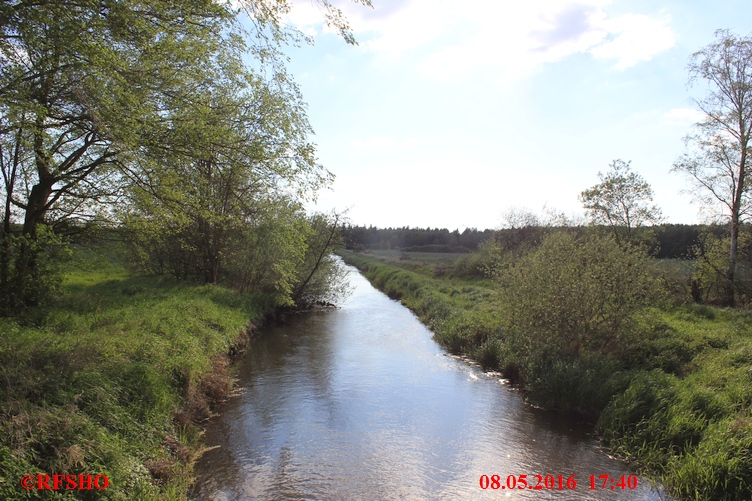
<point x="112" y="380"/>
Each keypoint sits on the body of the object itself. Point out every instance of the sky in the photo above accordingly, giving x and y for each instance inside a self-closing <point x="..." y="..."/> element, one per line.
<point x="452" y="114"/>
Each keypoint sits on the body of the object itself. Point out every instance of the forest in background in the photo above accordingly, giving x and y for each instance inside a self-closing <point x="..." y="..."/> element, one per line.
<point x="665" y="241"/>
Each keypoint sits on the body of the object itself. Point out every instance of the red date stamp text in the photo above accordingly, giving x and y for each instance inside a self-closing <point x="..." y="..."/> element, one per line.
<point x="557" y="482"/>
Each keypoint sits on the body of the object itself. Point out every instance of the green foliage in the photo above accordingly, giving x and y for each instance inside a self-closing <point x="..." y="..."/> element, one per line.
<point x="31" y="273"/>
<point x="79" y="95"/>
<point x="320" y="279"/>
<point x="692" y="428"/>
<point x="402" y="238"/>
<point x="583" y="385"/>
<point x="221" y="196"/>
<point x="633" y="422"/>
<point x="267" y="255"/>
<point x="82" y="90"/>
<point x="479" y="263"/>
<point x="717" y="165"/>
<point x="142" y="113"/>
<point x="447" y="249"/>
<point x="280" y="253"/>
<point x="675" y="241"/>
<point x="218" y="168"/>
<point x="709" y="273"/>
<point x="574" y="294"/>
<point x="720" y="467"/>
<point x="161" y="126"/>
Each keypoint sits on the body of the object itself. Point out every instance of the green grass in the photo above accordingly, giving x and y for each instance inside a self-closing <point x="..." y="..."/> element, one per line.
<point x="676" y="401"/>
<point x="112" y="379"/>
<point x="696" y="428"/>
<point x="424" y="263"/>
<point x="427" y="264"/>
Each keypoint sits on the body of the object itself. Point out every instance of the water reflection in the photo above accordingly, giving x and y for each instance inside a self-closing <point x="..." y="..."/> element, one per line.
<point x="361" y="403"/>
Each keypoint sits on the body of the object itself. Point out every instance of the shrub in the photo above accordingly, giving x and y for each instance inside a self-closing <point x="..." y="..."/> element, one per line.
<point x="575" y="295"/>
<point x="709" y="273"/>
<point x="480" y="262"/>
<point x="30" y="269"/>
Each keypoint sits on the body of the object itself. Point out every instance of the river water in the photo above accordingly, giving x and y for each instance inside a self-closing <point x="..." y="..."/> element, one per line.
<point x="360" y="403"/>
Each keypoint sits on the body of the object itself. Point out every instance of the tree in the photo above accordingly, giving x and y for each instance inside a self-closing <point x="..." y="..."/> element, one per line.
<point x="88" y="88"/>
<point x="234" y="151"/>
<point x="267" y="16"/>
<point x="622" y="201"/>
<point x="320" y="276"/>
<point x="718" y="166"/>
<point x="81" y="80"/>
<point x="711" y="258"/>
<point x="79" y="84"/>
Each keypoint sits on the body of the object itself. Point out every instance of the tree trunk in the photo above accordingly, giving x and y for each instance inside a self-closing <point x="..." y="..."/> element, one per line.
<point x="40" y="192"/>
<point x="36" y="208"/>
<point x="728" y="292"/>
<point x="728" y="289"/>
<point x="5" y="260"/>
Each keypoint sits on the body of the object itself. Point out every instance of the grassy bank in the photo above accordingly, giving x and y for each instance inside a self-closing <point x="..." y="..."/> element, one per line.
<point x="674" y="397"/>
<point x="113" y="379"/>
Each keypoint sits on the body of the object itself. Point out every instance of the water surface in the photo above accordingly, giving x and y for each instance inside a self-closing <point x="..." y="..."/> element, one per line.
<point x="360" y="403"/>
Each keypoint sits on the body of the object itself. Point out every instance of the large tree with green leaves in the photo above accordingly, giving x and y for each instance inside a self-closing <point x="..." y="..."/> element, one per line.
<point x="81" y="80"/>
<point x="233" y="148"/>
<point x="88" y="88"/>
<point x="80" y="83"/>
<point x="718" y="163"/>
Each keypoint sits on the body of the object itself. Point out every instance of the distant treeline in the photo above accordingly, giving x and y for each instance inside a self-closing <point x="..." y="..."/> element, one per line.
<point x="675" y="241"/>
<point x="417" y="239"/>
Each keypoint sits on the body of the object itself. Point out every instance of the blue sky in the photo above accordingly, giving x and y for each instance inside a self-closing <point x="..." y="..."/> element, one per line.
<point x="449" y="114"/>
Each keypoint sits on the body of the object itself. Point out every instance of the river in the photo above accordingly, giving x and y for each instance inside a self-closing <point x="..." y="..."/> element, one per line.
<point x="360" y="403"/>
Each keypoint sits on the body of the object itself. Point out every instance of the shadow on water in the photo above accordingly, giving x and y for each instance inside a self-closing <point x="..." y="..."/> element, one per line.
<point x="361" y="403"/>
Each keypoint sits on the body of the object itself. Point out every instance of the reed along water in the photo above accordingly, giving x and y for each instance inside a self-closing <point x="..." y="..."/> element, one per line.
<point x="360" y="403"/>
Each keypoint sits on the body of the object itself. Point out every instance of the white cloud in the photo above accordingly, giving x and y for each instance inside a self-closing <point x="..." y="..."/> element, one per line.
<point x="306" y="17"/>
<point x="683" y="116"/>
<point x="638" y="38"/>
<point x="452" y="39"/>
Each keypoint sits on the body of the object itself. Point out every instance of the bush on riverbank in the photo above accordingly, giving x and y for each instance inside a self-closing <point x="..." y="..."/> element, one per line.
<point x="112" y="379"/>
<point x="672" y="387"/>
<point x="573" y="296"/>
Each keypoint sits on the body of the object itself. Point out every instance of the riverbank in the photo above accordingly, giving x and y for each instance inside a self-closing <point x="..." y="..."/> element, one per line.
<point x="675" y="398"/>
<point x="115" y="380"/>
